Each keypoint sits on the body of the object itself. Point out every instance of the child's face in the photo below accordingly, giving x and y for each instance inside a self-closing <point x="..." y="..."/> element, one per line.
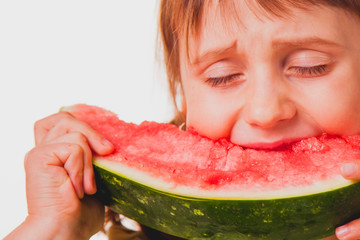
<point x="265" y="81"/>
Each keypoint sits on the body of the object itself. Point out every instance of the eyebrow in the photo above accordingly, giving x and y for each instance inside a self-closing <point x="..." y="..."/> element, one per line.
<point x="215" y="53"/>
<point x="303" y="42"/>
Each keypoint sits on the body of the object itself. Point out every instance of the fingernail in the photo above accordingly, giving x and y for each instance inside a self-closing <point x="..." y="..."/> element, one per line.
<point x="106" y="143"/>
<point x="342" y="231"/>
<point x="349" y="169"/>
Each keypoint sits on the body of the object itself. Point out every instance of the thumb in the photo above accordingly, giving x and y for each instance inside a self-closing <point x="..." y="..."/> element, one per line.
<point x="350" y="170"/>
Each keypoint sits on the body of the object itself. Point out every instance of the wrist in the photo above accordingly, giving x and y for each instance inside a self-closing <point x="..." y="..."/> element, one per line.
<point x="47" y="229"/>
<point x="56" y="229"/>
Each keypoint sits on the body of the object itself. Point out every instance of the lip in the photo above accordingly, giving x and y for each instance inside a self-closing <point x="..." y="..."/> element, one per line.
<point x="271" y="145"/>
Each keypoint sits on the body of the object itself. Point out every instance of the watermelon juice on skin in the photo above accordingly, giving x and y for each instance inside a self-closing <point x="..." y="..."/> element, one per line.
<point x="193" y="187"/>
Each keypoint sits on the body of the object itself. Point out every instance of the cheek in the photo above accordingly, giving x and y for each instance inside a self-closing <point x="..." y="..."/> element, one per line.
<point x="336" y="107"/>
<point x="340" y="118"/>
<point x="210" y="114"/>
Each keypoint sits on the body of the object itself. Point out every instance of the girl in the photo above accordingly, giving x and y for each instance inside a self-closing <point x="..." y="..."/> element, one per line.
<point x="261" y="73"/>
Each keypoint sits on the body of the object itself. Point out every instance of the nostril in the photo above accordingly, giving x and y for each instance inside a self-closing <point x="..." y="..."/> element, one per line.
<point x="268" y="115"/>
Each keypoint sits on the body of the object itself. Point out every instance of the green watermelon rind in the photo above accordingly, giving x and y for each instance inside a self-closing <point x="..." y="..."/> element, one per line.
<point x="302" y="217"/>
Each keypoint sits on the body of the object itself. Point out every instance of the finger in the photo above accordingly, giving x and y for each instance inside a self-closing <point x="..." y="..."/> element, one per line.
<point x="350" y="170"/>
<point x="43" y="126"/>
<point x="63" y="123"/>
<point x="88" y="173"/>
<point x="350" y="231"/>
<point x="59" y="162"/>
<point x="73" y="164"/>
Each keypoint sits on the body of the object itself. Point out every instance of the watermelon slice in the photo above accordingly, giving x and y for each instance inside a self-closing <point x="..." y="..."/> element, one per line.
<point x="193" y="187"/>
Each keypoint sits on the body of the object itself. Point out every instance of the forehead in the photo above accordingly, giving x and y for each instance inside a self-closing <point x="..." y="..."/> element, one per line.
<point x="268" y="8"/>
<point x="230" y="23"/>
<point x="230" y="12"/>
<point x="227" y="17"/>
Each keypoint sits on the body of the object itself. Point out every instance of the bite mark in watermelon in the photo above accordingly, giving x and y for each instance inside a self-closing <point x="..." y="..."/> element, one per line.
<point x="193" y="187"/>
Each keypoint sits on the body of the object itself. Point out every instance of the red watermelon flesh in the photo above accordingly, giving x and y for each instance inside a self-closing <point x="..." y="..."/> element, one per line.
<point x="185" y="159"/>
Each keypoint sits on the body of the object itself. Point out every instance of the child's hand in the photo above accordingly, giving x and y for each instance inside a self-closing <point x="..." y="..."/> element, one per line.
<point x="58" y="173"/>
<point x="350" y="231"/>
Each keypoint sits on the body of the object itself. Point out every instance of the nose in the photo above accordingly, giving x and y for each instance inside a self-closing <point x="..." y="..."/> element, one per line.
<point x="268" y="104"/>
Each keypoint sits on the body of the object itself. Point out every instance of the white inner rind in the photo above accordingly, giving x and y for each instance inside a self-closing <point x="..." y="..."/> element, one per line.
<point x="228" y="193"/>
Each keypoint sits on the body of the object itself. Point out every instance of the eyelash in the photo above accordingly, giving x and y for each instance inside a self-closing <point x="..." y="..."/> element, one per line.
<point x="216" y="81"/>
<point x="313" y="71"/>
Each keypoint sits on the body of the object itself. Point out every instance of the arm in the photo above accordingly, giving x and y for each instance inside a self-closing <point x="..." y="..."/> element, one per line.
<point x="33" y="229"/>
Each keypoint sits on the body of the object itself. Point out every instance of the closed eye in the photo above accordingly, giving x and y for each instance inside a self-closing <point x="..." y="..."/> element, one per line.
<point x="223" y="81"/>
<point x="308" y="72"/>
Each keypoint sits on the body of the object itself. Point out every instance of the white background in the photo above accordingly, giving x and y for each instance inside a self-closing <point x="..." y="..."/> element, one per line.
<point x="56" y="53"/>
